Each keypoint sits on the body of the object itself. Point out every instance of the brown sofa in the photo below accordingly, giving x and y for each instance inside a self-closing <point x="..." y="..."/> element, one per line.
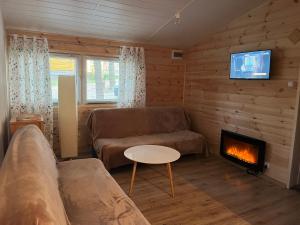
<point x="35" y="190"/>
<point x="115" y="130"/>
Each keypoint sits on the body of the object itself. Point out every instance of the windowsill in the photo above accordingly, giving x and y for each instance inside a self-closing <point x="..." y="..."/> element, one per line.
<point x="55" y="104"/>
<point x="103" y="102"/>
<point x="84" y="107"/>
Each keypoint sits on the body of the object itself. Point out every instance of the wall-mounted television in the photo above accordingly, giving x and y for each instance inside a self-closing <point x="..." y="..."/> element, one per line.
<point x="251" y="65"/>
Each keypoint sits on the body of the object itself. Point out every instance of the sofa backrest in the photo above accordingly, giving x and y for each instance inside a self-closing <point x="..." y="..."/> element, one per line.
<point x="126" y="122"/>
<point x="29" y="182"/>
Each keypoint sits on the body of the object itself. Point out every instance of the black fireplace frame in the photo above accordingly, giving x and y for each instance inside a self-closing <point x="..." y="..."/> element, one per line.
<point x="259" y="166"/>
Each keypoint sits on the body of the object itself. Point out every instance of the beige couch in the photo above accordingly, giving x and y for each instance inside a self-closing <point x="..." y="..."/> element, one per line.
<point x="115" y="130"/>
<point x="35" y="190"/>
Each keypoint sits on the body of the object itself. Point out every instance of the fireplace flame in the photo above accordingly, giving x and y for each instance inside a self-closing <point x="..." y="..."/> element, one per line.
<point x="244" y="154"/>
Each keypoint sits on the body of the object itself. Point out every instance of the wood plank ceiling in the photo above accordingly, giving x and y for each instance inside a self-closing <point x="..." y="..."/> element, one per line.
<point x="148" y="21"/>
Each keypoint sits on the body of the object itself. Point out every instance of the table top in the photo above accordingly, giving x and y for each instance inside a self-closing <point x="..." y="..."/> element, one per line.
<point x="152" y="154"/>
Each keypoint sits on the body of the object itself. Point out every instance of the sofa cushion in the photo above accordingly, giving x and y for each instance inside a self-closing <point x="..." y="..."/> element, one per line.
<point x="92" y="197"/>
<point x="28" y="182"/>
<point x="111" y="150"/>
<point x="125" y="122"/>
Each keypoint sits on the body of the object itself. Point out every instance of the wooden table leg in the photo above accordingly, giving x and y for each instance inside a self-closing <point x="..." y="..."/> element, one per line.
<point x="132" y="177"/>
<point x="171" y="178"/>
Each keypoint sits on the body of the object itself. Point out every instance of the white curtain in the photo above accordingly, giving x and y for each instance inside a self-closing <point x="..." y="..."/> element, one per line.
<point x="132" y="80"/>
<point x="29" y="79"/>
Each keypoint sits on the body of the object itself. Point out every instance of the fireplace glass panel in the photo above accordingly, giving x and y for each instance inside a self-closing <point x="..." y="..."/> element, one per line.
<point x="241" y="150"/>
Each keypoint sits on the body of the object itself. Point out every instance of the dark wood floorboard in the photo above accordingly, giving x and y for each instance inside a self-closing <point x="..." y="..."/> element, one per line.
<point x="209" y="191"/>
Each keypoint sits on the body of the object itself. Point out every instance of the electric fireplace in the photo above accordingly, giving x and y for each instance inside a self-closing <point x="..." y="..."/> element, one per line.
<point x="243" y="150"/>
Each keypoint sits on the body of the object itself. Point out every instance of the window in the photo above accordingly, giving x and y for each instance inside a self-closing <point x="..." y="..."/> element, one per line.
<point x="101" y="80"/>
<point x="98" y="82"/>
<point x="61" y="65"/>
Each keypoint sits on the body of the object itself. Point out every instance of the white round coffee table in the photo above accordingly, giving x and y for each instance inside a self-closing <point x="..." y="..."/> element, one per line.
<point x="152" y="154"/>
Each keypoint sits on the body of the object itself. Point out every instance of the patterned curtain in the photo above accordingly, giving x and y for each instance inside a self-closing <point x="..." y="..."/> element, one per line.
<point x="132" y="80"/>
<point x="29" y="79"/>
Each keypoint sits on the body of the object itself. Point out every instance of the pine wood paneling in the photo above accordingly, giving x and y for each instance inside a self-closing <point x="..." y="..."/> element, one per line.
<point x="261" y="109"/>
<point x="164" y="76"/>
<point x="115" y="19"/>
<point x="148" y="21"/>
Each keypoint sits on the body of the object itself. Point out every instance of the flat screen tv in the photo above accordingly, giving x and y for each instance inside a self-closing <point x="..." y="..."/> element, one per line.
<point x="251" y="65"/>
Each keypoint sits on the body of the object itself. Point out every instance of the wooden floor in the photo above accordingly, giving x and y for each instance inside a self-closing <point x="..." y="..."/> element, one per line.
<point x="209" y="191"/>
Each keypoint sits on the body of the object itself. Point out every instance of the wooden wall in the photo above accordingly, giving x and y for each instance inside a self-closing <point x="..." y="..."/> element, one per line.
<point x="164" y="79"/>
<point x="261" y="109"/>
<point x="3" y="92"/>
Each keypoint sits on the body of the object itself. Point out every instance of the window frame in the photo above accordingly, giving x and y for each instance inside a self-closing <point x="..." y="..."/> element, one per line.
<point x="78" y="72"/>
<point x="84" y="80"/>
<point x="81" y="78"/>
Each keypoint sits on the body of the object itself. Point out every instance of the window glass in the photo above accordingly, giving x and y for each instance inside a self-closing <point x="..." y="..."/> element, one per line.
<point x="102" y="80"/>
<point x="59" y="66"/>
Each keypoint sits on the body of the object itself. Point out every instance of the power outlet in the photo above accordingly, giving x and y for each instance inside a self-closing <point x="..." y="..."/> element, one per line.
<point x="267" y="165"/>
<point x="292" y="84"/>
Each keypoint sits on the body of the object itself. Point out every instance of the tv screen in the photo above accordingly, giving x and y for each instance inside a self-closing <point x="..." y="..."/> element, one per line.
<point x="250" y="65"/>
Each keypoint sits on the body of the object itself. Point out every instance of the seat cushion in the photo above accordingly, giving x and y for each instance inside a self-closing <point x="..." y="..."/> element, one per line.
<point x="92" y="197"/>
<point x="111" y="150"/>
<point x="29" y="182"/>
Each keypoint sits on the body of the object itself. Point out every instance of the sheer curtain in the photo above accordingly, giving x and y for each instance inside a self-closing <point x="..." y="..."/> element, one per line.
<point x="29" y="79"/>
<point x="132" y="80"/>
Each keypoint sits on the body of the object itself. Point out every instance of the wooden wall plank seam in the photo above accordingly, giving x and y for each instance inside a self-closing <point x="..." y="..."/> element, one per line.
<point x="261" y="109"/>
